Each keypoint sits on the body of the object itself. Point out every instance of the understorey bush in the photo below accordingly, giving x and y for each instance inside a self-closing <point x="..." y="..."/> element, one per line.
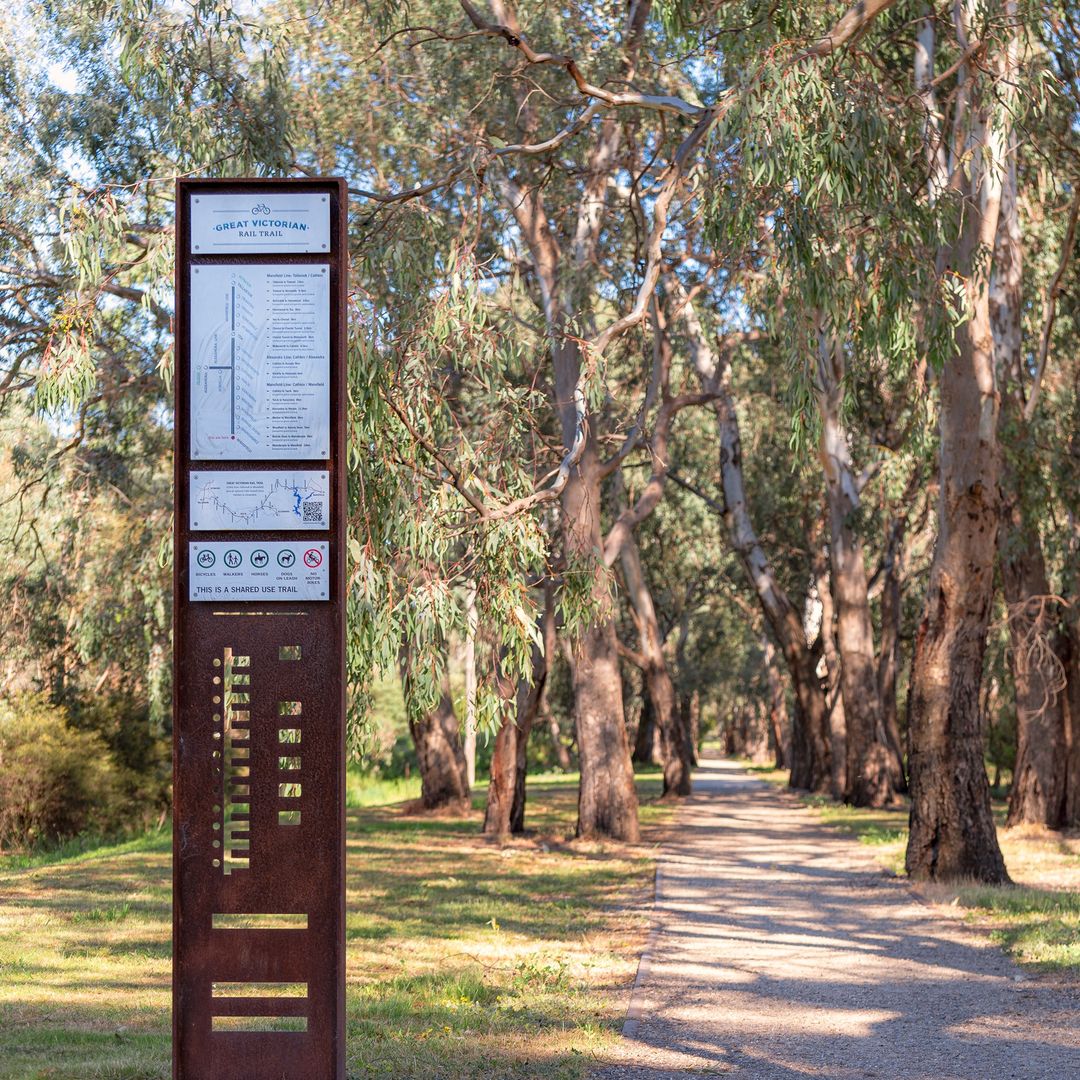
<point x="55" y="782"/>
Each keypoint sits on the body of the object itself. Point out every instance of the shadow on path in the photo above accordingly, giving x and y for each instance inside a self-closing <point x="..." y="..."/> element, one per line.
<point x="782" y="951"/>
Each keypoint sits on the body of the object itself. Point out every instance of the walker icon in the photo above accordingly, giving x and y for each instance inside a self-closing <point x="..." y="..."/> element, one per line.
<point x="232" y="558"/>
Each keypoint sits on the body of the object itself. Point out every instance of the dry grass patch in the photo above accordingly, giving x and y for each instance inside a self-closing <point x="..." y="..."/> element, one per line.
<point x="466" y="959"/>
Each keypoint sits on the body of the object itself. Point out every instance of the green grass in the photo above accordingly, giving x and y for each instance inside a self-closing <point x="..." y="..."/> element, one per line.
<point x="465" y="958"/>
<point x="86" y="847"/>
<point x="362" y="789"/>
<point x="1039" y="927"/>
<point x="1036" y="920"/>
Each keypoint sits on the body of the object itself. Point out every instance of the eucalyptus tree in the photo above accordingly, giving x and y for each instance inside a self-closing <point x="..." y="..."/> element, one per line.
<point x="1033" y="266"/>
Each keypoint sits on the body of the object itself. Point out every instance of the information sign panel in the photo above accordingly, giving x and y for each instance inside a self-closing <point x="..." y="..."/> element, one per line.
<point x="260" y="362"/>
<point x="259" y="631"/>
<point x="258" y="500"/>
<point x="258" y="570"/>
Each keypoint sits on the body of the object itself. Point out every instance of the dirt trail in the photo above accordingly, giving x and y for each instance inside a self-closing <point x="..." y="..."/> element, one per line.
<point x="782" y="950"/>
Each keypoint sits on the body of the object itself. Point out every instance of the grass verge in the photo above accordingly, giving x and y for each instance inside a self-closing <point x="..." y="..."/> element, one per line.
<point x="1036" y="920"/>
<point x="466" y="959"/>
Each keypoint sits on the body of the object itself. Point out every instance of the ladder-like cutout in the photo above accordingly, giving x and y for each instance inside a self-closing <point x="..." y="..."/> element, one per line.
<point x="234" y="764"/>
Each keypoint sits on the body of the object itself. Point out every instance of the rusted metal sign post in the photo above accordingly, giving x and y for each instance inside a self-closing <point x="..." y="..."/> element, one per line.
<point x="259" y="587"/>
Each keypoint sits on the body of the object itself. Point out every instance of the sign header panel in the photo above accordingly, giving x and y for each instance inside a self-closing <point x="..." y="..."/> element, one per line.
<point x="260" y="223"/>
<point x="258" y="500"/>
<point x="260" y="362"/>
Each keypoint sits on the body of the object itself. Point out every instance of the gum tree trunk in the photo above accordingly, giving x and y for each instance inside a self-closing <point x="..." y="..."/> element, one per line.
<point x="779" y="723"/>
<point x="444" y="782"/>
<point x="675" y="752"/>
<point x="1039" y="778"/>
<point x="506" y="791"/>
<point x="868" y="774"/>
<point x="607" y="798"/>
<point x="821" y="597"/>
<point x="889" y="653"/>
<point x="952" y="832"/>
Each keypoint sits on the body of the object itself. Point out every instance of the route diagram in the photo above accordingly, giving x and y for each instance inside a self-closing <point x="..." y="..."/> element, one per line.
<point x="246" y="501"/>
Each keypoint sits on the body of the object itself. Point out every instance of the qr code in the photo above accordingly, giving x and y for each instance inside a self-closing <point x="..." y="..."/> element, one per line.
<point x="313" y="510"/>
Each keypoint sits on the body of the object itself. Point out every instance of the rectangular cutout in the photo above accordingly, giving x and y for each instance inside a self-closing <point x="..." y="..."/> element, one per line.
<point x="259" y="1023"/>
<point x="260" y="921"/>
<point x="288" y="817"/>
<point x="289" y="791"/>
<point x="288" y="735"/>
<point x="288" y="708"/>
<point x="241" y="661"/>
<point x="290" y="763"/>
<point x="259" y="989"/>
<point x="289" y="652"/>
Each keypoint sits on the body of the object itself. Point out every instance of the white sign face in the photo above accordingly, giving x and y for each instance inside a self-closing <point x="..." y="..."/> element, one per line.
<point x="260" y="363"/>
<point x="260" y="500"/>
<point x="229" y="570"/>
<point x="261" y="222"/>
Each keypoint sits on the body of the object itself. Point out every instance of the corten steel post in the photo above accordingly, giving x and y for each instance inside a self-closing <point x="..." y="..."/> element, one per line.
<point x="259" y="684"/>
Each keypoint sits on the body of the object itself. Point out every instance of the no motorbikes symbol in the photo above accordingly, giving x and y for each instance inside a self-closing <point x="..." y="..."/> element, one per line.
<point x="313" y="558"/>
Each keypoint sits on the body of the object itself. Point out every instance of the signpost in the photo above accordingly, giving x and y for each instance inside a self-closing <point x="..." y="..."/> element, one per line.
<point x="259" y="631"/>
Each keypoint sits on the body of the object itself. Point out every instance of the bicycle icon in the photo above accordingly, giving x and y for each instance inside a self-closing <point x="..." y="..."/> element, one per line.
<point x="206" y="559"/>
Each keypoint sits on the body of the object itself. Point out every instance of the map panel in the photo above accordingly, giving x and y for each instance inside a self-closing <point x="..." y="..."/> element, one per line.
<point x="260" y="363"/>
<point x="259" y="500"/>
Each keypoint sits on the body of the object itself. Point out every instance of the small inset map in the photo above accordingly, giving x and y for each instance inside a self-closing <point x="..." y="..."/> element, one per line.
<point x="259" y="500"/>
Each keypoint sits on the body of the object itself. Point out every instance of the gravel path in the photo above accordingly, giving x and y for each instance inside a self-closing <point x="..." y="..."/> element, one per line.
<point x="781" y="950"/>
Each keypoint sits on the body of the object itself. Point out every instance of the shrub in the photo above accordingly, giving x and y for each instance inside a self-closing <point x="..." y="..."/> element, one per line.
<point x="55" y="782"/>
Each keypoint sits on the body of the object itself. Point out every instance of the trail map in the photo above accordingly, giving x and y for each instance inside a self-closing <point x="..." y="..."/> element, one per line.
<point x="259" y="500"/>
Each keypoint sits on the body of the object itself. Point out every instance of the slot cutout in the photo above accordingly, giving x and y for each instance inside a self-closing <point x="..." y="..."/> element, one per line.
<point x="258" y="921"/>
<point x="259" y="1023"/>
<point x="259" y="989"/>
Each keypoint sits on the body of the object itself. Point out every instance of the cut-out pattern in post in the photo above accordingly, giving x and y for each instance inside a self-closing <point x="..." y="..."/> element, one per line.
<point x="235" y="763"/>
<point x="290" y="790"/>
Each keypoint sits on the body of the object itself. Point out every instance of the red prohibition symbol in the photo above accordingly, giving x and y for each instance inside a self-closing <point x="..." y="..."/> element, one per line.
<point x="313" y="557"/>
